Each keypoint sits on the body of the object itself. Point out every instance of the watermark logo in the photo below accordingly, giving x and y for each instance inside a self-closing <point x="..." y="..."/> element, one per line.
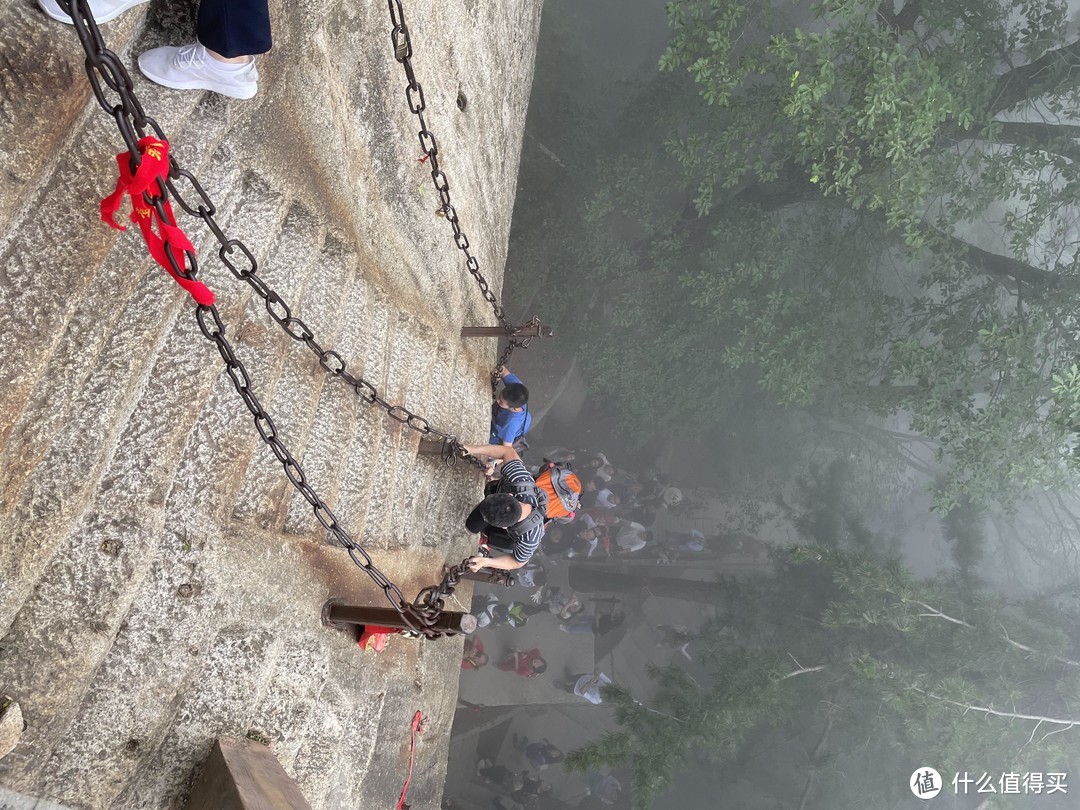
<point x="925" y="783"/>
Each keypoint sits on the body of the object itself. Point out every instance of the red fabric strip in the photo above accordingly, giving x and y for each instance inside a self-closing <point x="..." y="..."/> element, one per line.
<point x="154" y="167"/>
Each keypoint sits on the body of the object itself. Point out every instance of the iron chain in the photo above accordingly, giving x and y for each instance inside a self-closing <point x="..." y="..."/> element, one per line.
<point x="414" y="96"/>
<point x="105" y="70"/>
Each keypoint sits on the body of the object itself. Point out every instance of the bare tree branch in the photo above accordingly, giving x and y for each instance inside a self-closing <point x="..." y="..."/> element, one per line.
<point x="1055" y="71"/>
<point x="934" y="613"/>
<point x="972" y="707"/>
<point x="803" y="671"/>
<point x="813" y="759"/>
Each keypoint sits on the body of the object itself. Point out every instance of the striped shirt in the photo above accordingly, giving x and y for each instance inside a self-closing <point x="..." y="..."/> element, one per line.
<point x="514" y="472"/>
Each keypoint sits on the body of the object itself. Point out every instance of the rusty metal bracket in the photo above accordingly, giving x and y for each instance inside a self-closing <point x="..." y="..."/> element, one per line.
<point x="529" y="330"/>
<point x="449" y="623"/>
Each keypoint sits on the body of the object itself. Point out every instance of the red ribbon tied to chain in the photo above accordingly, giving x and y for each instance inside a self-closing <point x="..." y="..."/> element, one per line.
<point x="153" y="167"/>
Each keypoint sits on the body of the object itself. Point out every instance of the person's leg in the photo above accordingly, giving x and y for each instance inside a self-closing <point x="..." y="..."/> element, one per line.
<point x="222" y="59"/>
<point x="568" y="684"/>
<point x="234" y="28"/>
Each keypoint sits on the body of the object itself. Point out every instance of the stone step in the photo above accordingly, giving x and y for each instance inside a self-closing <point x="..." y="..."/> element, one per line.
<point x="457" y="490"/>
<point x="133" y="695"/>
<point x="335" y="781"/>
<point x="43" y="212"/>
<point x="173" y="615"/>
<point x="358" y="467"/>
<point x="412" y="678"/>
<point x="288" y="710"/>
<point x="95" y="315"/>
<point x="332" y="430"/>
<point x="44" y="98"/>
<point x="410" y="349"/>
<point x="217" y="702"/>
<point x="288" y="271"/>
<point x="422" y="470"/>
<point x="302" y="384"/>
<point x="88" y="416"/>
<point x="223" y="437"/>
<point x="114" y="534"/>
<point x="160" y="654"/>
<point x="411" y="474"/>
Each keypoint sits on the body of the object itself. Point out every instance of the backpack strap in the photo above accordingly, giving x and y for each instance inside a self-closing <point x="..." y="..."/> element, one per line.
<point x="538" y="516"/>
<point x="522" y="528"/>
<point x="517" y="488"/>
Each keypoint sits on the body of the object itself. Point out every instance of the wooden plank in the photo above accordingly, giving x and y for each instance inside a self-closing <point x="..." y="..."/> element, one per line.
<point x="242" y="774"/>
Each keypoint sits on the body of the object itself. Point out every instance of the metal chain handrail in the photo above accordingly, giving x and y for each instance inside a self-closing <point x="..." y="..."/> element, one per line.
<point x="504" y="358"/>
<point x="104" y="67"/>
<point x="281" y="313"/>
<point x="414" y="96"/>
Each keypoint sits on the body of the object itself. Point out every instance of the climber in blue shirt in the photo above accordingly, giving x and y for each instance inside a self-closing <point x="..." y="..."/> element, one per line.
<point x="510" y="417"/>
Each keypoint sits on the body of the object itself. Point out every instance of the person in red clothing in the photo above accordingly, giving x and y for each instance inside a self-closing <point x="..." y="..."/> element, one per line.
<point x="474" y="656"/>
<point x="526" y="663"/>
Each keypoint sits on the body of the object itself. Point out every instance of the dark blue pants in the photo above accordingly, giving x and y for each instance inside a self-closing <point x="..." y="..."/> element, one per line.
<point x="234" y="27"/>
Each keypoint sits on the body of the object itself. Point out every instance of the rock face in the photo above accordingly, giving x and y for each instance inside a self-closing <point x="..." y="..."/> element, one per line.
<point x="160" y="581"/>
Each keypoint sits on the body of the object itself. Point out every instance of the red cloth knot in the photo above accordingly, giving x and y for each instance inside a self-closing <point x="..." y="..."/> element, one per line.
<point x="150" y="176"/>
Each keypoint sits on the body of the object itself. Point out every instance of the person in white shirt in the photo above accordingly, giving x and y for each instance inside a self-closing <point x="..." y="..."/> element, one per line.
<point x="586" y="686"/>
<point x="606" y="499"/>
<point x="632" y="536"/>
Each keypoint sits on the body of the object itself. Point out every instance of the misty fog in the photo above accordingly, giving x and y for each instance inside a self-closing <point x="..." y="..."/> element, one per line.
<point x="812" y="272"/>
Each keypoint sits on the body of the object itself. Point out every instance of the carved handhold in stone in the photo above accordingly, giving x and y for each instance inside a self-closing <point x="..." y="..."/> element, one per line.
<point x="11" y="725"/>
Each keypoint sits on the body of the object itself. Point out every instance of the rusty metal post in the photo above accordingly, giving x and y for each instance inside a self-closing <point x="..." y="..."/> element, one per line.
<point x="450" y="622"/>
<point x="528" y="330"/>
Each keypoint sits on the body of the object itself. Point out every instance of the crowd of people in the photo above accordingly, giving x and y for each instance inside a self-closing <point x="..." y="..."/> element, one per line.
<point x="613" y="510"/>
<point x="527" y="529"/>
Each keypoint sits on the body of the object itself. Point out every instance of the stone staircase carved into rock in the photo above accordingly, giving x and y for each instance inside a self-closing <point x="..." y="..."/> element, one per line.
<point x="160" y="583"/>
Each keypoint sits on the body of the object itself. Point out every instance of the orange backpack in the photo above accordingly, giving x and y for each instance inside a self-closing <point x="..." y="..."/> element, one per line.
<point x="562" y="487"/>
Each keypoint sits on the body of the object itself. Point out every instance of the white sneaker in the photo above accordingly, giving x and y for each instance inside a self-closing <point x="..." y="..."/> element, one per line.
<point x="103" y="10"/>
<point x="190" y="67"/>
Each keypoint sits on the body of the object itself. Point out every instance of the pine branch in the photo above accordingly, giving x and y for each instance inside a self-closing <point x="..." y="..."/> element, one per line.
<point x="934" y="613"/>
<point x="802" y="671"/>
<point x="656" y="711"/>
<point x="971" y="707"/>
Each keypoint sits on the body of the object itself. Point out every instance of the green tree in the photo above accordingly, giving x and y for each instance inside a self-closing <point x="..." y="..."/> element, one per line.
<point x="938" y="673"/>
<point x="806" y="230"/>
<point x="897" y="114"/>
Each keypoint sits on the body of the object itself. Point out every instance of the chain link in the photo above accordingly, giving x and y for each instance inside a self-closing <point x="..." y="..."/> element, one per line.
<point x="105" y="70"/>
<point x="414" y="96"/>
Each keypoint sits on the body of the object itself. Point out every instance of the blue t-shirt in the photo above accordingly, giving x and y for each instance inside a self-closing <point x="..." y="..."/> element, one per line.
<point x="507" y="426"/>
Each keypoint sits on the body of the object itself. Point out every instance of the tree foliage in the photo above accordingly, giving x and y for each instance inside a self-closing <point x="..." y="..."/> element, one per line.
<point x="866" y="208"/>
<point x="954" y="675"/>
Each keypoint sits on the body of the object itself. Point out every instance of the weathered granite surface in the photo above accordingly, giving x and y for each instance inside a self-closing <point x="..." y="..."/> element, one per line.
<point x="160" y="582"/>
